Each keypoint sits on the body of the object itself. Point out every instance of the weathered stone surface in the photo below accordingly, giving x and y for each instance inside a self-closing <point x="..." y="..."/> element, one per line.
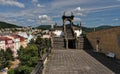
<point x="73" y="62"/>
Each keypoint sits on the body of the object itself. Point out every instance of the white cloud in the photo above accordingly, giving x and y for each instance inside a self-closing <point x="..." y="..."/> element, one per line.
<point x="35" y="1"/>
<point x="39" y="5"/>
<point x="116" y="19"/>
<point x="64" y="3"/>
<point x="102" y="8"/>
<point x="30" y="20"/>
<point x="12" y="3"/>
<point x="78" y="11"/>
<point x="56" y="16"/>
<point x="77" y="19"/>
<point x="45" y="19"/>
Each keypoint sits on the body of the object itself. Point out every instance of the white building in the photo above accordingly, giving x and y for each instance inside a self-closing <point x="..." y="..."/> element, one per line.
<point x="58" y="33"/>
<point x="78" y="32"/>
<point x="16" y="41"/>
<point x="2" y="44"/>
<point x="30" y="37"/>
<point x="23" y="34"/>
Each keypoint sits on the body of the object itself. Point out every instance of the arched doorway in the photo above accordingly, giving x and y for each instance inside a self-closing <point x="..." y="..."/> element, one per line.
<point x="71" y="44"/>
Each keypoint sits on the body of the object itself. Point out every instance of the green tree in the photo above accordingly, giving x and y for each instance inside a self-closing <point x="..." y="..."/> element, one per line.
<point x="2" y="59"/>
<point x="39" y="40"/>
<point x="23" y="70"/>
<point x="12" y="71"/>
<point x="5" y="58"/>
<point x="28" y="54"/>
<point x="32" y="41"/>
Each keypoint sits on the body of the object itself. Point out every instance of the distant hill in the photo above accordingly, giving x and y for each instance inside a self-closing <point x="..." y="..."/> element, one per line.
<point x="44" y="27"/>
<point x="8" y="25"/>
<point x="104" y="27"/>
<point x="85" y="29"/>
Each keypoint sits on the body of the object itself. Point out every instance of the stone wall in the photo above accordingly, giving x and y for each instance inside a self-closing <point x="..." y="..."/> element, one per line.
<point x="109" y="40"/>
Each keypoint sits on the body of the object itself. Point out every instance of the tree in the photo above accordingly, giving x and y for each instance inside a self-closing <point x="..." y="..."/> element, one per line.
<point x="32" y="41"/>
<point x="29" y="55"/>
<point x="2" y="59"/>
<point x="5" y="58"/>
<point x="11" y="71"/>
<point x="23" y="69"/>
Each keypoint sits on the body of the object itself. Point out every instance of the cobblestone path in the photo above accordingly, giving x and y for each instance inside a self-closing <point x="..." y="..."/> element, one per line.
<point x="73" y="62"/>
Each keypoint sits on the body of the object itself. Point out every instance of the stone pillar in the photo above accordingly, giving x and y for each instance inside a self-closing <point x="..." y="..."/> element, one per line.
<point x="80" y="27"/>
<point x="64" y="27"/>
<point x="66" y="43"/>
<point x="76" y="44"/>
<point x="51" y="42"/>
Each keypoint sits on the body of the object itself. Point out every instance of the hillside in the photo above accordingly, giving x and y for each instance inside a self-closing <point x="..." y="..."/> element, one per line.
<point x="44" y="27"/>
<point x="8" y="25"/>
<point x="86" y="29"/>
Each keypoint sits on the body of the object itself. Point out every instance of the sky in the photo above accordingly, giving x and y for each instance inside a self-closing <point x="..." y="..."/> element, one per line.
<point x="91" y="13"/>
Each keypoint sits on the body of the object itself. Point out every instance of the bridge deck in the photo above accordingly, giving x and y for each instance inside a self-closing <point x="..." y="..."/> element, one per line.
<point x="73" y="62"/>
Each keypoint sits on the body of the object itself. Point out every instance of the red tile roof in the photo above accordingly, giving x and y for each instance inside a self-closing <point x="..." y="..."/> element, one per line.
<point x="17" y="36"/>
<point x="5" y="39"/>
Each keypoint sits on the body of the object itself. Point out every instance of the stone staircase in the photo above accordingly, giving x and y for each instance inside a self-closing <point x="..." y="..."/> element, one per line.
<point x="58" y="43"/>
<point x="83" y="43"/>
<point x="87" y="45"/>
<point x="80" y="43"/>
<point x="69" y="33"/>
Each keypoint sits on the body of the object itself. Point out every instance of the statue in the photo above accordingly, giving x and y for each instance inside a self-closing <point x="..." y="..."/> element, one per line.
<point x="71" y="13"/>
<point x="52" y="26"/>
<point x="64" y="13"/>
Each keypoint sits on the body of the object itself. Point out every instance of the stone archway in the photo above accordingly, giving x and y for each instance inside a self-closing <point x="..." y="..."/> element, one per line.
<point x="69" y="43"/>
<point x="67" y="18"/>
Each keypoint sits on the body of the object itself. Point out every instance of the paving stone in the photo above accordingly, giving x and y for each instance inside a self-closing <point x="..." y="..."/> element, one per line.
<point x="73" y="62"/>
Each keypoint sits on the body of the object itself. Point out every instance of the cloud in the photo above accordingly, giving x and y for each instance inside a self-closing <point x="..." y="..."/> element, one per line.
<point x="39" y="5"/>
<point x="30" y="20"/>
<point x="12" y="3"/>
<point x="82" y="12"/>
<point x="77" y="19"/>
<point x="45" y="19"/>
<point x="102" y="8"/>
<point x="34" y="1"/>
<point x="116" y="19"/>
<point x="56" y="16"/>
<point x="64" y="3"/>
<point x="78" y="11"/>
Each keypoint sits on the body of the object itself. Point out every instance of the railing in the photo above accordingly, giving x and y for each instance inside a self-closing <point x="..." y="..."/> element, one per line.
<point x="39" y="67"/>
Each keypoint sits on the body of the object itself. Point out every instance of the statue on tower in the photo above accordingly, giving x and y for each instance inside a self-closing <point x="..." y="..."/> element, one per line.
<point x="71" y="13"/>
<point x="64" y="13"/>
<point x="80" y="26"/>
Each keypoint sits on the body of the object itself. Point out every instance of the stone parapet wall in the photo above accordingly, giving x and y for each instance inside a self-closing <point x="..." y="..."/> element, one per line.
<point x="109" y="40"/>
